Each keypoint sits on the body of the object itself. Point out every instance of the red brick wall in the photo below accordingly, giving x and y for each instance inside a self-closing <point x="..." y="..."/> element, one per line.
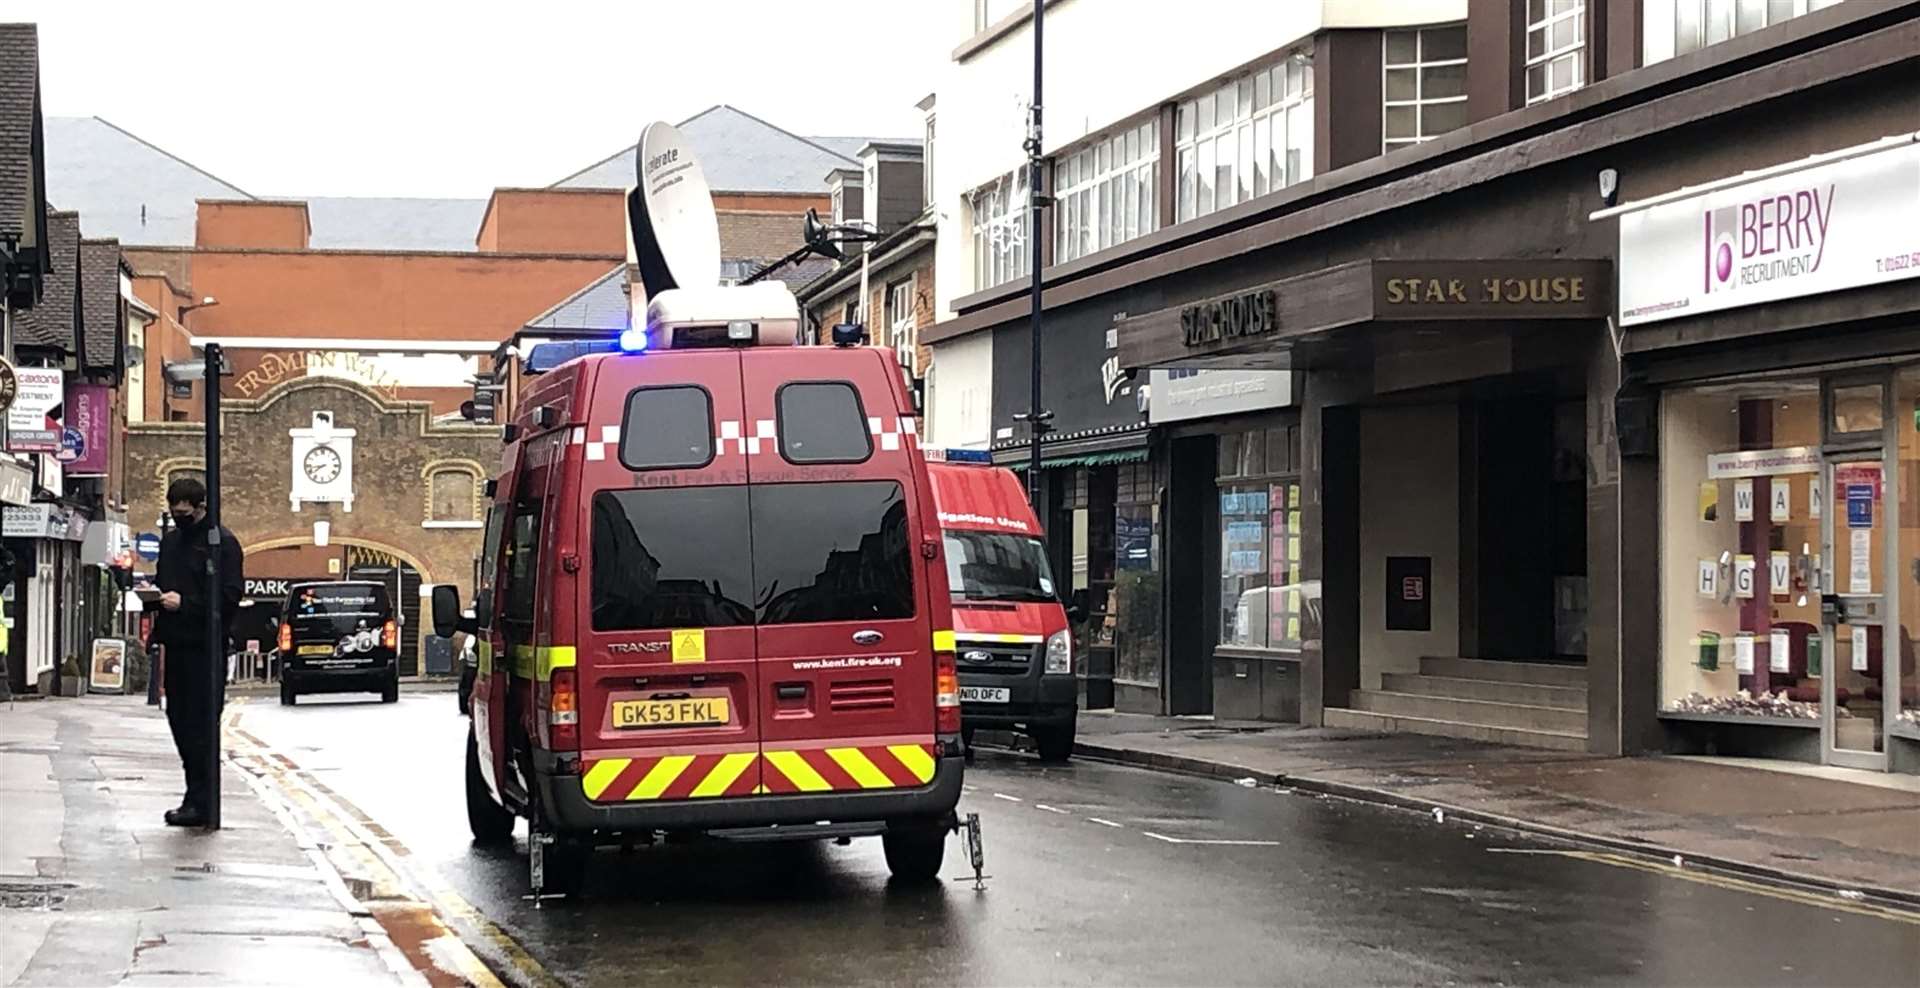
<point x="278" y="225"/>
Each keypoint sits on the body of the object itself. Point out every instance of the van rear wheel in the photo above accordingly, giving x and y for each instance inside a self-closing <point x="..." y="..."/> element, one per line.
<point x="489" y="821"/>
<point x="1055" y="743"/>
<point x="914" y="855"/>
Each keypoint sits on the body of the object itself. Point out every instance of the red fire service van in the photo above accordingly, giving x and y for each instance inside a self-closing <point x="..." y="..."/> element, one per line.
<point x="1012" y="638"/>
<point x="716" y="603"/>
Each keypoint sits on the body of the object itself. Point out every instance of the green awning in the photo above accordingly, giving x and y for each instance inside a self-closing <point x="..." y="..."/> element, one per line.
<point x="1136" y="455"/>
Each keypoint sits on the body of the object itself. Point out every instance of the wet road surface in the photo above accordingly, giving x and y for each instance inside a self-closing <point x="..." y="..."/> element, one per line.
<point x="1100" y="875"/>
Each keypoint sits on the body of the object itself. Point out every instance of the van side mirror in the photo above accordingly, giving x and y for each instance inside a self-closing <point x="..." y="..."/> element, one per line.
<point x="447" y="619"/>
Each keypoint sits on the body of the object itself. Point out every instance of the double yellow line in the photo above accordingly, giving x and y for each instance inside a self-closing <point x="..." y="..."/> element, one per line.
<point x="425" y="900"/>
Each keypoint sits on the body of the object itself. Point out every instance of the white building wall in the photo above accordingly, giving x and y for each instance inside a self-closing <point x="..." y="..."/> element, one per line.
<point x="960" y="400"/>
<point x="1106" y="62"/>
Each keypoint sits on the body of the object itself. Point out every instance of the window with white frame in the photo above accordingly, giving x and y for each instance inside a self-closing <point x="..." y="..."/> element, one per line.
<point x="1105" y="192"/>
<point x="136" y="385"/>
<point x="1425" y="84"/>
<point x="901" y="320"/>
<point x="1556" y="48"/>
<point x="1000" y="230"/>
<point x="1251" y="136"/>
<point x="926" y="165"/>
<point x="987" y="13"/>
<point x="1699" y="23"/>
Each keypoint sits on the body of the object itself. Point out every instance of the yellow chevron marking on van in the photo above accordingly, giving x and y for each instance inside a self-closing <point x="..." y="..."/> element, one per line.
<point x="862" y="768"/>
<point x="915" y="758"/>
<point x="797" y="771"/>
<point x="943" y="641"/>
<point x="724" y="774"/>
<point x="660" y="776"/>
<point x="602" y="774"/>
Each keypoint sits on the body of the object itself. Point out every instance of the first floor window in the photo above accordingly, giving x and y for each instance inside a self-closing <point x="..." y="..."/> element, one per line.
<point x="1000" y="231"/>
<point x="1556" y="48"/>
<point x="451" y="496"/>
<point x="1425" y="85"/>
<point x="1107" y="192"/>
<point x="1699" y="23"/>
<point x="1251" y="136"/>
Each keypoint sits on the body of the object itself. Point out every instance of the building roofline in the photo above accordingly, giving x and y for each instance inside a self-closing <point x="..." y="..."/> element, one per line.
<point x="578" y="293"/>
<point x="465" y="254"/>
<point x="717" y="106"/>
<point x="883" y="253"/>
<point x="130" y="135"/>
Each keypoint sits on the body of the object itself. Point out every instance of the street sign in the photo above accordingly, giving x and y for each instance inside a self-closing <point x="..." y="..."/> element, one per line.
<point x="147" y="546"/>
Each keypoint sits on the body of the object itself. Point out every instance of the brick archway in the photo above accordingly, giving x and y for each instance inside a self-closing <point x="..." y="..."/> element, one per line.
<point x="306" y="539"/>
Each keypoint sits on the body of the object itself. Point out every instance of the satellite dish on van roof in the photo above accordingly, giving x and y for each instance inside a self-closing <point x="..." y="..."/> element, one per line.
<point x="676" y="237"/>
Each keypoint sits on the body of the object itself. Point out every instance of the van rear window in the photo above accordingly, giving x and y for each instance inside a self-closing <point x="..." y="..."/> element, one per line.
<point x="667" y="428"/>
<point x="680" y="557"/>
<point x="671" y="557"/>
<point x="822" y="422"/>
<point x="831" y="552"/>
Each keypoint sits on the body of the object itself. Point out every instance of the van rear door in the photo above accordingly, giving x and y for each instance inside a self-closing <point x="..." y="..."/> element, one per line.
<point x="666" y="655"/>
<point x="844" y="640"/>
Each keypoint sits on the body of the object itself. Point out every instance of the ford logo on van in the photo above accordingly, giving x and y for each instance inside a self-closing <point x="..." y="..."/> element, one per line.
<point x="977" y="655"/>
<point x="867" y="637"/>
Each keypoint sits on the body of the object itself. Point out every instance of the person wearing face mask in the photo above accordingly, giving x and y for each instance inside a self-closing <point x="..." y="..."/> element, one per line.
<point x="180" y="625"/>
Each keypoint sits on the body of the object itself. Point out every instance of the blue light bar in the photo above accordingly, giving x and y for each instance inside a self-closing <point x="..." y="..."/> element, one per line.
<point x="937" y="454"/>
<point x="544" y="357"/>
<point x="633" y="340"/>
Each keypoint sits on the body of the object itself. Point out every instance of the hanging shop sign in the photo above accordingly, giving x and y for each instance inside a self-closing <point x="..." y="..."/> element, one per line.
<point x="9" y="385"/>
<point x="85" y="433"/>
<point x="43" y="521"/>
<point x="33" y="422"/>
<point x="1831" y="227"/>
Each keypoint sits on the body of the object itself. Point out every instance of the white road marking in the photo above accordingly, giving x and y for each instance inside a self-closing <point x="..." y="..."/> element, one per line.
<point x="1049" y="809"/>
<point x="1010" y="799"/>
<point x="1103" y="823"/>
<point x="1229" y="843"/>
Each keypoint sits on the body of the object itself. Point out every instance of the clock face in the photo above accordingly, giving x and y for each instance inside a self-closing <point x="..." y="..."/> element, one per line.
<point x="322" y="464"/>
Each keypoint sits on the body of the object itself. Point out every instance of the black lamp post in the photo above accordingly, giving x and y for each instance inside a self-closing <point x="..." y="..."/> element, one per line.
<point x="1037" y="419"/>
<point x="216" y="620"/>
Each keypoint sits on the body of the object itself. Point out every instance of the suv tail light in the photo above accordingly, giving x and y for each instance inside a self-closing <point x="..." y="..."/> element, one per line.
<point x="286" y="639"/>
<point x="946" y="693"/>
<point x="563" y="710"/>
<point x="390" y="636"/>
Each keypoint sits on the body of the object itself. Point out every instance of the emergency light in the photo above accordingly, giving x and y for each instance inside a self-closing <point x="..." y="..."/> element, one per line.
<point x="938" y="454"/>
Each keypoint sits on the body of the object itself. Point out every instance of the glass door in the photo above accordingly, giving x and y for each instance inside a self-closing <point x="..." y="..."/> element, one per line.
<point x="1856" y="612"/>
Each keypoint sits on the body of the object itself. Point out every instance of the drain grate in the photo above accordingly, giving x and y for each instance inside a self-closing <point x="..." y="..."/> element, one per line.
<point x="33" y="895"/>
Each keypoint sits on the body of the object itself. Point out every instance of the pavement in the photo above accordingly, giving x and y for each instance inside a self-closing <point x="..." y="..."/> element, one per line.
<point x="1096" y="874"/>
<point x="96" y="890"/>
<point x="1839" y="830"/>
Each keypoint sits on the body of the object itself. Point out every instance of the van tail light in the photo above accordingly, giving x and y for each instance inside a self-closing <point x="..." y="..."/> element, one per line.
<point x="563" y="710"/>
<point x="286" y="638"/>
<point x="390" y="636"/>
<point x="946" y="693"/>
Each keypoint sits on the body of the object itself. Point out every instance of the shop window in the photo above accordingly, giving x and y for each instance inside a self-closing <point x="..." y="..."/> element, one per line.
<point x="1263" y="594"/>
<point x="1556" y="48"/>
<point x="1251" y="136"/>
<point x="1137" y="577"/>
<point x="1106" y="193"/>
<point x="1741" y="506"/>
<point x="1906" y="685"/>
<point x="1425" y="84"/>
<point x="453" y="497"/>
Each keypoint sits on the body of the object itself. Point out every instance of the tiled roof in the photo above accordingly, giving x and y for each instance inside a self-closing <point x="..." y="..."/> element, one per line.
<point x="100" y="303"/>
<point x="19" y="101"/>
<point x="51" y="323"/>
<point x="739" y="153"/>
<point x="797" y="276"/>
<point x="125" y="187"/>
<point x="395" y="224"/>
<point x="602" y="304"/>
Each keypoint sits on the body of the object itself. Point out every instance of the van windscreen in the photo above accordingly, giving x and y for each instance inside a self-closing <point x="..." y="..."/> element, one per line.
<point x="671" y="557"/>
<point x="997" y="566"/>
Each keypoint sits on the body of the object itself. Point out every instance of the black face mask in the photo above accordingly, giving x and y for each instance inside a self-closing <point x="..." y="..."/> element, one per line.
<point x="183" y="519"/>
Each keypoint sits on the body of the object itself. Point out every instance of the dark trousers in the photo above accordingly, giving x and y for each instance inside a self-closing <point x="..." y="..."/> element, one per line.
<point x="189" y="695"/>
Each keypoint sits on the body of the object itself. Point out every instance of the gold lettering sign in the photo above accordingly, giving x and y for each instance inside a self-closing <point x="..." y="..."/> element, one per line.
<point x="1556" y="290"/>
<point x="277" y="367"/>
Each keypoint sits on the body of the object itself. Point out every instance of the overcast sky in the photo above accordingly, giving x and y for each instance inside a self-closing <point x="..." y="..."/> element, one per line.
<point x="437" y="98"/>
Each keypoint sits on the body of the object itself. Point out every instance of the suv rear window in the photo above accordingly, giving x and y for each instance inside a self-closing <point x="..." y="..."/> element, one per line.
<point x="680" y="557"/>
<point x="831" y="552"/>
<point x="666" y="428"/>
<point x="822" y="422"/>
<point x="674" y="557"/>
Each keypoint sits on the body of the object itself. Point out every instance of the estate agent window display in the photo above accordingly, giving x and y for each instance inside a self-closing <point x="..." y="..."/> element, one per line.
<point x="1263" y="601"/>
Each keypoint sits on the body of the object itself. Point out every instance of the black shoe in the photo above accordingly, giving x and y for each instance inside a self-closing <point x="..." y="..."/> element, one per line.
<point x="186" y="816"/>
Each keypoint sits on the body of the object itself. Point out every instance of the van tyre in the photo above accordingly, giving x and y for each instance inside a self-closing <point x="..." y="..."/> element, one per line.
<point x="390" y="693"/>
<point x="914" y="855"/>
<point x="489" y="821"/>
<point x="287" y="695"/>
<point x="1054" y="743"/>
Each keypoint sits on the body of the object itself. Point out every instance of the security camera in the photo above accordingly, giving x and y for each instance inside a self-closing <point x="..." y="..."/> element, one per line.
<point x="1609" y="186"/>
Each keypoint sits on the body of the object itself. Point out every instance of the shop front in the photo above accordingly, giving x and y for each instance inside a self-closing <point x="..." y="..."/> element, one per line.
<point x="1774" y="374"/>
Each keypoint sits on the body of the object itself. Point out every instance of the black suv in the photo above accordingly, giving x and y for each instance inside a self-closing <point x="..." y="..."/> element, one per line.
<point x="339" y="638"/>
